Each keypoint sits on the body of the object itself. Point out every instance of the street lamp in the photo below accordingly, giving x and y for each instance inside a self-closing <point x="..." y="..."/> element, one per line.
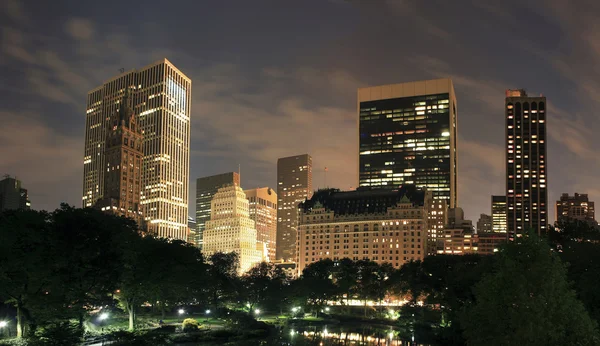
<point x="181" y="311"/>
<point x="207" y="311"/>
<point x="3" y="324"/>
<point x="327" y="308"/>
<point x="103" y="316"/>
<point x="257" y="311"/>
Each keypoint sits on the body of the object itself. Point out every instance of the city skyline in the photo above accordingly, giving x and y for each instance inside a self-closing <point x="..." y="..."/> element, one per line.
<point x="52" y="71"/>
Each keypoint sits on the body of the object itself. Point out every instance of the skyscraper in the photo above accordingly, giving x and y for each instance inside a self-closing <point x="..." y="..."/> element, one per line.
<point x="230" y="228"/>
<point x="12" y="195"/>
<point x="499" y="214"/>
<point x="526" y="180"/>
<point x="206" y="187"/>
<point x="294" y="185"/>
<point x="407" y="135"/>
<point x="263" y="210"/>
<point x="577" y="207"/>
<point x="161" y="100"/>
<point x="123" y="157"/>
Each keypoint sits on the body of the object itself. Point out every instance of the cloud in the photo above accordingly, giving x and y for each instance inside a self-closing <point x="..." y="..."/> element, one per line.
<point x="49" y="164"/>
<point x="80" y="28"/>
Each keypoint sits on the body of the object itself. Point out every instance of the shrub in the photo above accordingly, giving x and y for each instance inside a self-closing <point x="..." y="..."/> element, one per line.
<point x="59" y="334"/>
<point x="190" y="325"/>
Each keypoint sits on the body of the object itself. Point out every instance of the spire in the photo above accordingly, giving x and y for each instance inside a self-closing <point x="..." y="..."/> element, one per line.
<point x="125" y="110"/>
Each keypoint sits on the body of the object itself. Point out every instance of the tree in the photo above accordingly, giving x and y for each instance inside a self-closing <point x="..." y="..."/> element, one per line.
<point x="263" y="284"/>
<point x="24" y="261"/>
<point x="223" y="280"/>
<point x="316" y="286"/>
<point x="345" y="278"/>
<point x="526" y="300"/>
<point x="87" y="254"/>
<point x="138" y="261"/>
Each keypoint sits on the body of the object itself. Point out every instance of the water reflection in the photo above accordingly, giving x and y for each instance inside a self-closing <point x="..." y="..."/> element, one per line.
<point x="337" y="335"/>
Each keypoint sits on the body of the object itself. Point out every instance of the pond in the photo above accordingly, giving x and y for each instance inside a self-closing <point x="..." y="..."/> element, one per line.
<point x="354" y="334"/>
<point x="322" y="335"/>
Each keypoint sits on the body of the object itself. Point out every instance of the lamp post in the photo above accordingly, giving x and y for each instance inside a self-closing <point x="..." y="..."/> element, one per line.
<point x="4" y="324"/>
<point x="257" y="312"/>
<point x="181" y="312"/>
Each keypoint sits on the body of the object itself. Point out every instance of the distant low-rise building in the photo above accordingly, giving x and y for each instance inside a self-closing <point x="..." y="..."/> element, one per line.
<point x="379" y="225"/>
<point x="12" y="195"/>
<point x="577" y="207"/>
<point x="462" y="242"/>
<point x="484" y="224"/>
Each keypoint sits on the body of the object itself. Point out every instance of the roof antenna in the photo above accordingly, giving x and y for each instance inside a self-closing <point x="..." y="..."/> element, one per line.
<point x="121" y="70"/>
<point x="326" y="178"/>
<point x="240" y="173"/>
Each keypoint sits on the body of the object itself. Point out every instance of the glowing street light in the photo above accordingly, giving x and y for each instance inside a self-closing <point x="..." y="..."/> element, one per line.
<point x="327" y="308"/>
<point x="295" y="309"/>
<point x="181" y="311"/>
<point x="207" y="311"/>
<point x="257" y="311"/>
<point x="103" y="316"/>
<point x="3" y="324"/>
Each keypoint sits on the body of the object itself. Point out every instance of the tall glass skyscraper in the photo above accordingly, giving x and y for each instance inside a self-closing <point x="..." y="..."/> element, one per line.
<point x="526" y="180"/>
<point x="294" y="185"/>
<point x="161" y="99"/>
<point x="407" y="135"/>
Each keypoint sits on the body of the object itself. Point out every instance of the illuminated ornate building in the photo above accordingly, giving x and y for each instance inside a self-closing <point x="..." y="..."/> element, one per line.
<point x="230" y="228"/>
<point x="379" y="225"/>
<point x="12" y="195"/>
<point x="206" y="187"/>
<point x="123" y="160"/>
<point x="161" y="100"/>
<point x="294" y="185"/>
<point x="499" y="214"/>
<point x="407" y="135"/>
<point x="577" y="207"/>
<point x="263" y="210"/>
<point x="526" y="176"/>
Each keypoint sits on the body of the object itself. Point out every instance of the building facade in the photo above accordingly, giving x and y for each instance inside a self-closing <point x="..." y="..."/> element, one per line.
<point x="123" y="157"/>
<point x="484" y="224"/>
<point x="407" y="135"/>
<point x="526" y="161"/>
<point x="437" y="221"/>
<point x="192" y="230"/>
<point x="263" y="210"/>
<point x="206" y="187"/>
<point x="294" y="185"/>
<point x="577" y="207"/>
<point x="458" y="241"/>
<point x="161" y="100"/>
<point x="230" y="228"/>
<point x="499" y="214"/>
<point x="12" y="195"/>
<point x="384" y="226"/>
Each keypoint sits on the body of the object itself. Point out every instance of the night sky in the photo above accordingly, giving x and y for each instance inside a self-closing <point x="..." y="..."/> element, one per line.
<point x="279" y="78"/>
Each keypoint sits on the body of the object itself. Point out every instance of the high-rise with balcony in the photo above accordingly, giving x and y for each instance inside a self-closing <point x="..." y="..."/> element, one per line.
<point x="206" y="187"/>
<point x="499" y="214"/>
<point x="263" y="210"/>
<point x="577" y="207"/>
<point x="526" y="176"/>
<point x="294" y="185"/>
<point x="407" y="135"/>
<point x="161" y="101"/>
